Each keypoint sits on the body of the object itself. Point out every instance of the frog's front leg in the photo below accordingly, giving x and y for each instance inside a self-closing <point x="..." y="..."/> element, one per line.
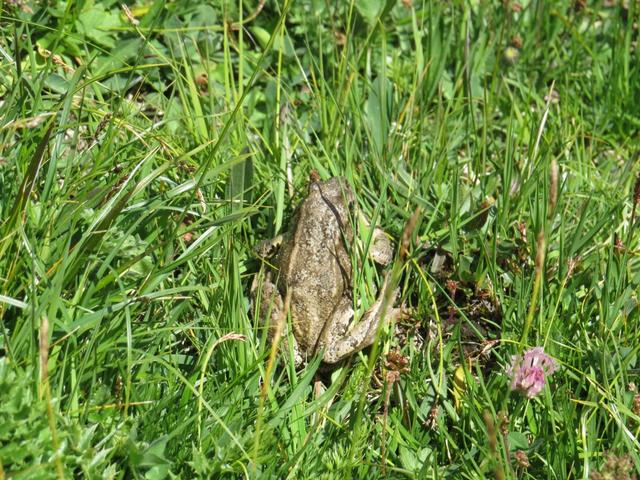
<point x="380" y="248"/>
<point x="268" y="248"/>
<point x="341" y="342"/>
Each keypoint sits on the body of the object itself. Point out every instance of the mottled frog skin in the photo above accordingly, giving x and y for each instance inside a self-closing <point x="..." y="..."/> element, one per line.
<point x="312" y="264"/>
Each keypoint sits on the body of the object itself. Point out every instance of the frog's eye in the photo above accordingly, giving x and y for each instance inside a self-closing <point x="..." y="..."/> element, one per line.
<point x="351" y="203"/>
<point x="348" y="199"/>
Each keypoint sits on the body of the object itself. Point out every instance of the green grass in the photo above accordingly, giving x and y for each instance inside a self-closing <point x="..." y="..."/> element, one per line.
<point x="140" y="164"/>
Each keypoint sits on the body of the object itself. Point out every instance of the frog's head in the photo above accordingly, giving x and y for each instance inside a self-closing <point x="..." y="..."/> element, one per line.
<point x="335" y="189"/>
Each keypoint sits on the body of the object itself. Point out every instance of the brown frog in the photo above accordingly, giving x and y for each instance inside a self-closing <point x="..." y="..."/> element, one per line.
<point x="313" y="266"/>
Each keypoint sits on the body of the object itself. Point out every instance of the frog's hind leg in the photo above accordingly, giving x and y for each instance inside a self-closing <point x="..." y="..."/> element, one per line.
<point x="332" y="340"/>
<point x="344" y="343"/>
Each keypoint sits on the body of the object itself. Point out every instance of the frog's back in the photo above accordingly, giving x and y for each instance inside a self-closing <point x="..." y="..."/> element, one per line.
<point x="316" y="266"/>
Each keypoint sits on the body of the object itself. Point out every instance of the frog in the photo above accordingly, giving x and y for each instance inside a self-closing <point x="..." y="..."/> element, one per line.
<point x="309" y="277"/>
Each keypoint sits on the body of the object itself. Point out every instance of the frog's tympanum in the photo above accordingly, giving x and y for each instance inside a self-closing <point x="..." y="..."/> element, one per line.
<point x="312" y="263"/>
